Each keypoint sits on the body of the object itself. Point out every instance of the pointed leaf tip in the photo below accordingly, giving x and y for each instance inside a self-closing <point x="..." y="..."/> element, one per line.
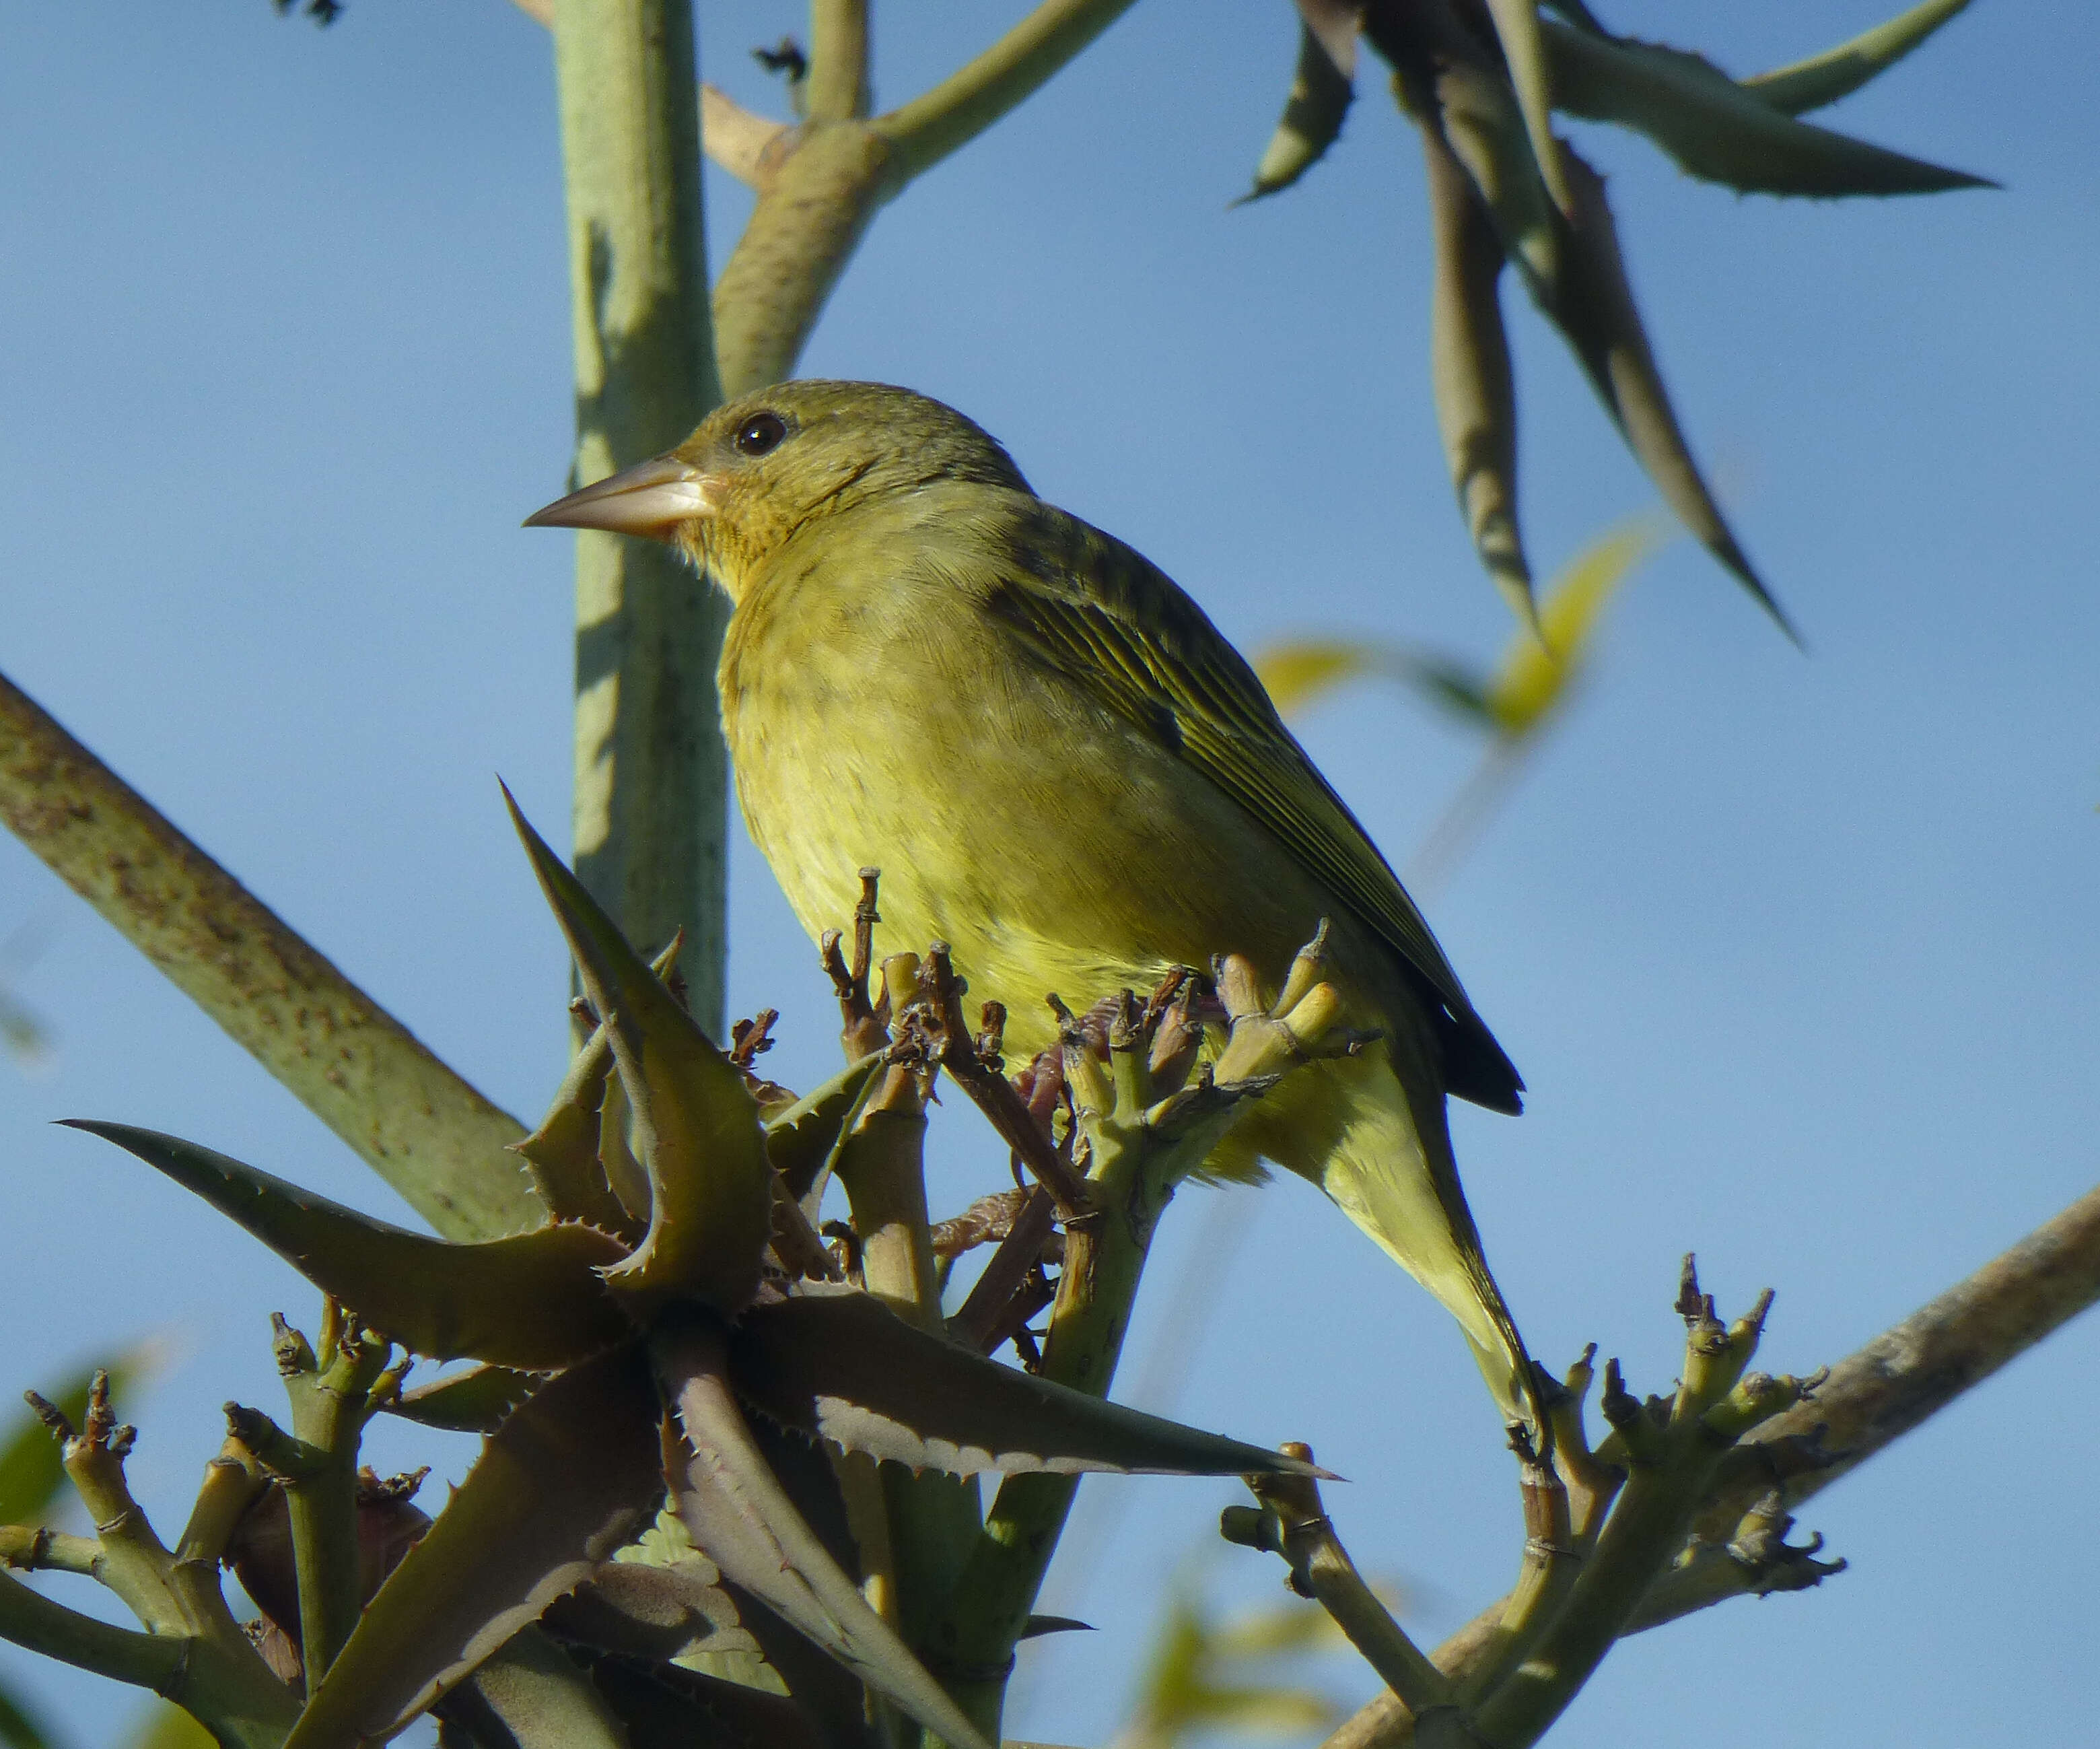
<point x="1321" y="89"/>
<point x="533" y="1300"/>
<point x="1724" y="132"/>
<point x="1518" y="28"/>
<point x="835" y="1363"/>
<point x="1838" y="72"/>
<point x="696" y="1126"/>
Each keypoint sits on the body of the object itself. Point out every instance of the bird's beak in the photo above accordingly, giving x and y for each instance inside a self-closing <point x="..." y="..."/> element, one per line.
<point x="652" y="498"/>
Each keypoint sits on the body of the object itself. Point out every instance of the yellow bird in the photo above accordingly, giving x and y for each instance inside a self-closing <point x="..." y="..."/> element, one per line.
<point x="1063" y="769"/>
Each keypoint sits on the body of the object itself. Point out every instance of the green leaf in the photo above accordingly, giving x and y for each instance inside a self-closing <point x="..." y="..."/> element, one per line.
<point x="476" y="1401"/>
<point x="738" y="1516"/>
<point x="20" y="1727"/>
<point x="21" y="1032"/>
<point x="528" y="1694"/>
<point x="31" y="1475"/>
<point x="557" y="1488"/>
<point x="1718" y="129"/>
<point x="837" y="1363"/>
<point x="696" y="1125"/>
<point x="803" y="1141"/>
<point x="660" y="1614"/>
<point x="1469" y="370"/>
<point x="1518" y="27"/>
<point x="1478" y="115"/>
<point x="1839" y="73"/>
<point x="563" y="1152"/>
<point x="1538" y="673"/>
<point x="666" y="1707"/>
<point x="534" y="1301"/>
<point x="1299" y="670"/>
<point x="1321" y="89"/>
<point x="1592" y="304"/>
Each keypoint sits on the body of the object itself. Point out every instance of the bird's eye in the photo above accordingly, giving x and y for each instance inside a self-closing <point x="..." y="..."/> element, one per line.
<point x="762" y="431"/>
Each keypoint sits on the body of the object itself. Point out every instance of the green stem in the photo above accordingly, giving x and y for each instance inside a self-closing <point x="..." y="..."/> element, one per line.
<point x="811" y="212"/>
<point x="651" y="783"/>
<point x="932" y="1518"/>
<point x="837" y="89"/>
<point x="37" y="1624"/>
<point x="331" y="1400"/>
<point x="360" y="1071"/>
<point x="966" y="102"/>
<point x="972" y="1647"/>
<point x="34" y="1550"/>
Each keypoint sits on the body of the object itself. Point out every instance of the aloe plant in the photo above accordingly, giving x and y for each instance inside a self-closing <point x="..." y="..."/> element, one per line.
<point x="697" y="1350"/>
<point x="1481" y="80"/>
<point x="730" y="1487"/>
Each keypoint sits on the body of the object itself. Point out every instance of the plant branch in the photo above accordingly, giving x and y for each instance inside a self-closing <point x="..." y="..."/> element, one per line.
<point x="744" y="144"/>
<point x="1140" y="1129"/>
<point x="1893" y="1384"/>
<point x="996" y="1096"/>
<point x="651" y="776"/>
<point x="813" y="206"/>
<point x="193" y="1651"/>
<point x="333" y="1393"/>
<point x="413" y="1120"/>
<point x="966" y="102"/>
<point x="37" y="1624"/>
<point x="35" y="1550"/>
<point x="837" y="88"/>
<point x="1292" y="1522"/>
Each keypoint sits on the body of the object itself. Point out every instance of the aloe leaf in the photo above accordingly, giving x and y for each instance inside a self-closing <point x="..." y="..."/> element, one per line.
<point x="579" y="1157"/>
<point x="477" y="1401"/>
<point x="533" y="1300"/>
<point x="564" y="1152"/>
<point x="830" y="1692"/>
<point x="837" y="1364"/>
<point x="695" y="1122"/>
<point x="1593" y="306"/>
<point x="1469" y="371"/>
<point x="557" y="1488"/>
<point x="1519" y="27"/>
<point x="410" y="1118"/>
<point x="1718" y="130"/>
<point x="1538" y="674"/>
<point x="638" y="1609"/>
<point x="1322" y="90"/>
<point x="739" y="1516"/>
<point x="1299" y="670"/>
<point x="802" y="1142"/>
<point x="668" y="1707"/>
<point x="1839" y="73"/>
<point x="1480" y="122"/>
<point x="20" y="1728"/>
<point x="529" y="1694"/>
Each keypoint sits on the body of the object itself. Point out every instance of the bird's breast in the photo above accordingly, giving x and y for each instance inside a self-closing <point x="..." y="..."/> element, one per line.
<point x="1056" y="846"/>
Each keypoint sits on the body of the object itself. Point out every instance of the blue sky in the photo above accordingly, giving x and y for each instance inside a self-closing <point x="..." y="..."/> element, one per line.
<point x="1797" y="953"/>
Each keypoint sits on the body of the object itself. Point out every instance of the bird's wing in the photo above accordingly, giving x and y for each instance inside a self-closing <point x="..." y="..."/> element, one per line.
<point x="1114" y="624"/>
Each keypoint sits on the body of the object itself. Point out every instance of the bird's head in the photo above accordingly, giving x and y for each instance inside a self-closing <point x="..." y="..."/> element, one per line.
<point x="769" y="464"/>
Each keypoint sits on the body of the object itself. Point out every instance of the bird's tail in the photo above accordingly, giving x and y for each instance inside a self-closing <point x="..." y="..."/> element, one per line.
<point x="1386" y="1159"/>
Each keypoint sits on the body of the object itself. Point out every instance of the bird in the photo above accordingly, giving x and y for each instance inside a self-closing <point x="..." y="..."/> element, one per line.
<point x="1063" y="769"/>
